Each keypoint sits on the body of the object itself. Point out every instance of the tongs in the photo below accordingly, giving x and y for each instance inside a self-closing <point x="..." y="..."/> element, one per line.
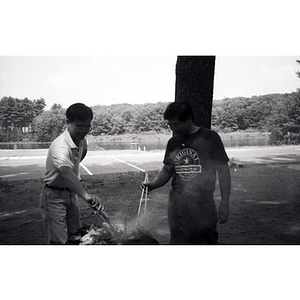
<point x="144" y="197"/>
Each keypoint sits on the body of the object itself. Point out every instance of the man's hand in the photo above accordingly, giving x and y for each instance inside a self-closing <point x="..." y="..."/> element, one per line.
<point x="93" y="201"/>
<point x="223" y="213"/>
<point x="144" y="185"/>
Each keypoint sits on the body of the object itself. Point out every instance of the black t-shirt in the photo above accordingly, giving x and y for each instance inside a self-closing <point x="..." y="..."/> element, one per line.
<point x="193" y="160"/>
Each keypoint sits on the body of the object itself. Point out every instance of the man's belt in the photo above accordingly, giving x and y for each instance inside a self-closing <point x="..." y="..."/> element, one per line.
<point x="64" y="189"/>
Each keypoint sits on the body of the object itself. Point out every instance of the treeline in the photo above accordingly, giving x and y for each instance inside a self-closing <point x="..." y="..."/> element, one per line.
<point x="278" y="114"/>
<point x="17" y="116"/>
<point x="127" y="118"/>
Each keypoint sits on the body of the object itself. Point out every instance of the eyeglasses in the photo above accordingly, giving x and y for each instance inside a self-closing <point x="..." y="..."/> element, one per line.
<point x="174" y="126"/>
<point x="87" y="129"/>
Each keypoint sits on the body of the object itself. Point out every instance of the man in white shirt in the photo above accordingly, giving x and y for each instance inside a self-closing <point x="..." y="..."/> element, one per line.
<point x="59" y="202"/>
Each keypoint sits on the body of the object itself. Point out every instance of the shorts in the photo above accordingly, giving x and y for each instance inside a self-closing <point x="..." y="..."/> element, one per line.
<point x="61" y="215"/>
<point x="192" y="219"/>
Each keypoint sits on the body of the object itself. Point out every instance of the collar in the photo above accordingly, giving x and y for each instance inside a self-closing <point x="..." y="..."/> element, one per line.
<point x="69" y="140"/>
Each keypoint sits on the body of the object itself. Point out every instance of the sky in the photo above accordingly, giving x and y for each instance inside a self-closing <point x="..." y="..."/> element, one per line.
<point x="109" y="80"/>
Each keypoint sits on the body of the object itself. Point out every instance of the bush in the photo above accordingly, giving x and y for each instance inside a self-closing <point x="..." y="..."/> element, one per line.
<point x="276" y="137"/>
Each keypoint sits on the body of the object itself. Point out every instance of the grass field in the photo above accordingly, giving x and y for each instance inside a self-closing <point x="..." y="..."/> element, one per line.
<point x="265" y="206"/>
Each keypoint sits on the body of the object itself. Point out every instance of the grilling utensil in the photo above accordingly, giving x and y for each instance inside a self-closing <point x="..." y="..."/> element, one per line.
<point x="105" y="217"/>
<point x="144" y="197"/>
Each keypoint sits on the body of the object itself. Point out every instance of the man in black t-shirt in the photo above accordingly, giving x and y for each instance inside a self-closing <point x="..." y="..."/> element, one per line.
<point x="193" y="157"/>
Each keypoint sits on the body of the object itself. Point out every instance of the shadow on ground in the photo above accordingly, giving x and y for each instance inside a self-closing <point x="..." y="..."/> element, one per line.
<point x="265" y="206"/>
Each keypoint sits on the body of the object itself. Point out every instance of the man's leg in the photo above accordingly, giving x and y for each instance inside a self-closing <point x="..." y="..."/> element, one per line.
<point x="44" y="216"/>
<point x="54" y="212"/>
<point x="73" y="219"/>
<point x="178" y="236"/>
<point x="204" y="222"/>
<point x="178" y="224"/>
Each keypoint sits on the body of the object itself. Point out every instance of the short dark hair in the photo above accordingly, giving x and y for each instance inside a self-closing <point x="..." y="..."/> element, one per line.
<point x="79" y="111"/>
<point x="181" y="110"/>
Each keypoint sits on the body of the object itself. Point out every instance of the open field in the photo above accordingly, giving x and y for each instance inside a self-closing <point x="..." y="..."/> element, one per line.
<point x="30" y="164"/>
<point x="265" y="197"/>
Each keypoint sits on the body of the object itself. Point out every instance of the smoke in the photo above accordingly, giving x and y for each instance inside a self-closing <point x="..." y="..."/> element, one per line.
<point x="128" y="225"/>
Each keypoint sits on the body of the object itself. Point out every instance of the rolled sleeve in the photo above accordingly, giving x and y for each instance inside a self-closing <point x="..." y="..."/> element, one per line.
<point x="61" y="158"/>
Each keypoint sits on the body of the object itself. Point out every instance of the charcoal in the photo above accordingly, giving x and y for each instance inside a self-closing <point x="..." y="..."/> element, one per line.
<point x="105" y="235"/>
<point x="140" y="237"/>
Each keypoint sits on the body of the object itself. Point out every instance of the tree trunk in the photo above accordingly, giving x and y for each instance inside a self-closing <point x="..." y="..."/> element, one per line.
<point x="194" y="85"/>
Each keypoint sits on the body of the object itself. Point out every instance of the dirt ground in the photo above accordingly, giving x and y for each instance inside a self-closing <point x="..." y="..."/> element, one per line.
<point x="265" y="206"/>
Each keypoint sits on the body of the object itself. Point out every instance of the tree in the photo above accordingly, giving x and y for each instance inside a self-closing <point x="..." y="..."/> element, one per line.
<point x="16" y="115"/>
<point x="297" y="72"/>
<point x="150" y="118"/>
<point x="39" y="106"/>
<point x="49" y="125"/>
<point x="194" y="85"/>
<point x="56" y="106"/>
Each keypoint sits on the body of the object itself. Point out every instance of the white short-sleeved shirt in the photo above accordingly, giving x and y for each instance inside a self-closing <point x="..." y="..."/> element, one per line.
<point x="63" y="152"/>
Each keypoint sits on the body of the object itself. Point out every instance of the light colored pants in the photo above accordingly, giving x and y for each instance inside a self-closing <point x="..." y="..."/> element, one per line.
<point x="61" y="215"/>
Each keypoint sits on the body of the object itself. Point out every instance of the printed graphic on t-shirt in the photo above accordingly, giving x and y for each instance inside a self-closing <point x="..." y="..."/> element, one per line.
<point x="187" y="164"/>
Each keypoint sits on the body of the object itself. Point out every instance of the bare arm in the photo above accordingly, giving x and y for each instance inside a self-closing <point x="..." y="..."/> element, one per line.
<point x="73" y="183"/>
<point x="225" y="187"/>
<point x="161" y="179"/>
<point x="225" y="182"/>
